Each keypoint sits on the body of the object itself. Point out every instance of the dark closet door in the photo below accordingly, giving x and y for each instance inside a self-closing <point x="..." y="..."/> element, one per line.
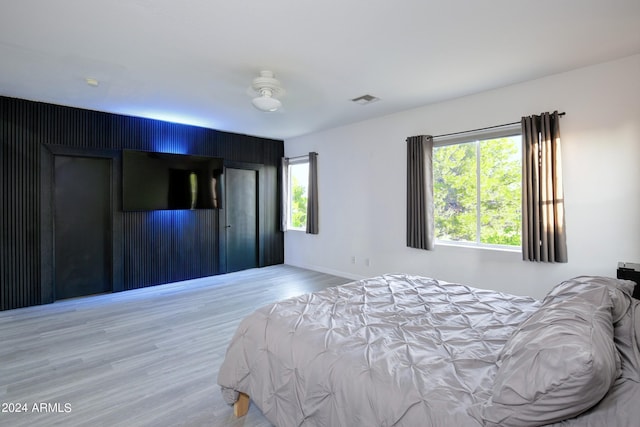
<point x="242" y="219"/>
<point x="82" y="239"/>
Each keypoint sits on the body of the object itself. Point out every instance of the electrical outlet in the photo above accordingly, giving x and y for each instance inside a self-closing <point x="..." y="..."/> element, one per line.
<point x="367" y="262"/>
<point x="353" y="259"/>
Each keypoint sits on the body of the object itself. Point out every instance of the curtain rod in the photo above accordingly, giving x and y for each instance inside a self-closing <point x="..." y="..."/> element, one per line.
<point x="300" y="157"/>
<point x="487" y="128"/>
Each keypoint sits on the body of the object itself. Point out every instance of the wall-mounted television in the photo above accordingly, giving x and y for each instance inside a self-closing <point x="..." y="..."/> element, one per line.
<point x="161" y="181"/>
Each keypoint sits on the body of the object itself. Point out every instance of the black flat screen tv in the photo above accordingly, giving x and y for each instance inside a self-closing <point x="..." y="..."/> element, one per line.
<point x="166" y="181"/>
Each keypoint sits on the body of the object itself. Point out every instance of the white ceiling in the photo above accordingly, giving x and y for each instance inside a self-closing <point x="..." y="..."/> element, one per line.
<point x="192" y="61"/>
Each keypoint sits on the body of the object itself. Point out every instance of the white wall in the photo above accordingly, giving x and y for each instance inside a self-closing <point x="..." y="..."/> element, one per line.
<point x="362" y="173"/>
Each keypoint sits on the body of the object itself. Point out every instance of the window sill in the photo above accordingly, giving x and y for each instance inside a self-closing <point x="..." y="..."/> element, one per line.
<point x="498" y="248"/>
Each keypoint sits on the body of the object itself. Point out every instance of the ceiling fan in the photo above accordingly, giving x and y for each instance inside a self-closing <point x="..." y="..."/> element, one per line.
<point x="266" y="90"/>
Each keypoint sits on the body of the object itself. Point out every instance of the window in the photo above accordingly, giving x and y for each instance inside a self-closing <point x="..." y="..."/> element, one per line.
<point x="477" y="190"/>
<point x="298" y="173"/>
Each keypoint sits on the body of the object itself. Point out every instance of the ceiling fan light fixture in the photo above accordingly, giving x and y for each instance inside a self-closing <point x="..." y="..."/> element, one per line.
<point x="266" y="102"/>
<point x="268" y="88"/>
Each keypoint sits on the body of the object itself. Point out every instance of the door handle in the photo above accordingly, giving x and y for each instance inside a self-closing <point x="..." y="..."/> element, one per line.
<point x="227" y="226"/>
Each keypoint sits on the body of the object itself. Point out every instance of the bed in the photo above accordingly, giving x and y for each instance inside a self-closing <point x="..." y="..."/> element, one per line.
<point x="403" y="350"/>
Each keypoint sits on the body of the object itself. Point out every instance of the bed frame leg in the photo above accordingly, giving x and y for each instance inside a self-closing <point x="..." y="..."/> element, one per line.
<point x="241" y="407"/>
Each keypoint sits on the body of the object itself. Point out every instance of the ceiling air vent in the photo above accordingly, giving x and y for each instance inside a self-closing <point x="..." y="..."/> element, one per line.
<point x="365" y="99"/>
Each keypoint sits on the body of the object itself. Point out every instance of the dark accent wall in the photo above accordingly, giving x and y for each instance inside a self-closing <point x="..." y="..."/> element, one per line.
<point x="151" y="247"/>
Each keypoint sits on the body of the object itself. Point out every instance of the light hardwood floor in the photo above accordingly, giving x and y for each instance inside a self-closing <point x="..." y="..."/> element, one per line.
<point x="147" y="357"/>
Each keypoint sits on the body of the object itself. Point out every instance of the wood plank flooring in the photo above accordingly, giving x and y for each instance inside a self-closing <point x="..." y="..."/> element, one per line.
<point x="147" y="357"/>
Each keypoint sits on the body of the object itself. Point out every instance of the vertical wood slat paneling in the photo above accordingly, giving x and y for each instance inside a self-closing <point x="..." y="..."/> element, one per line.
<point x="5" y="184"/>
<point x="155" y="253"/>
<point x="19" y="198"/>
<point x="157" y="247"/>
<point x="272" y="153"/>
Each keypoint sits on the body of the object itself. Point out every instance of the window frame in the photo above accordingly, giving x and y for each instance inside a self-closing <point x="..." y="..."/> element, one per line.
<point x="478" y="136"/>
<point x="292" y="163"/>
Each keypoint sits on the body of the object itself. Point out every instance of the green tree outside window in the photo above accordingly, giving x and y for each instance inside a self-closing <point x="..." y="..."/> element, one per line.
<point x="299" y="204"/>
<point x="477" y="191"/>
<point x="298" y="184"/>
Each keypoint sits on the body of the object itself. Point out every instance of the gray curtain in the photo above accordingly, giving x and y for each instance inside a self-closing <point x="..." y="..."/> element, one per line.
<point x="284" y="202"/>
<point x="312" y="195"/>
<point x="543" y="222"/>
<point x="420" y="226"/>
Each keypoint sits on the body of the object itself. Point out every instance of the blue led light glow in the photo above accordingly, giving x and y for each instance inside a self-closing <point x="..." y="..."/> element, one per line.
<point x="168" y="146"/>
<point x="179" y="221"/>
